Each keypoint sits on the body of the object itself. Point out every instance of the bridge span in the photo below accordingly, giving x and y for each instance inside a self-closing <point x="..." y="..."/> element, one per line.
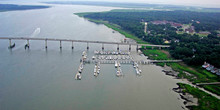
<point x="80" y="41"/>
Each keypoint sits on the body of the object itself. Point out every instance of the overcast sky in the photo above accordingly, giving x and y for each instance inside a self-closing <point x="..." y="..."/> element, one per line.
<point x="204" y="3"/>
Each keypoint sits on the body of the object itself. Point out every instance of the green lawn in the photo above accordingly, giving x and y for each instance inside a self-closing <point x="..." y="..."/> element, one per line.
<point x="155" y="54"/>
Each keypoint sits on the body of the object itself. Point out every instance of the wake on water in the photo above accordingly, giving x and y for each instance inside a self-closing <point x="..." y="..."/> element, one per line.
<point x="34" y="34"/>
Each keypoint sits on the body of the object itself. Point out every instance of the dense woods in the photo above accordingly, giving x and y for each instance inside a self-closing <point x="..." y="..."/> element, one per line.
<point x="208" y="21"/>
<point x="194" y="50"/>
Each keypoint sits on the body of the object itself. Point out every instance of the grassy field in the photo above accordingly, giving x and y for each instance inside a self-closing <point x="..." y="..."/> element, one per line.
<point x="155" y="54"/>
<point x="206" y="101"/>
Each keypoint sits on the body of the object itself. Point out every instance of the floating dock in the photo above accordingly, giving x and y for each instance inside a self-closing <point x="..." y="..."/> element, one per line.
<point x="111" y="53"/>
<point x="97" y="69"/>
<point x="78" y="75"/>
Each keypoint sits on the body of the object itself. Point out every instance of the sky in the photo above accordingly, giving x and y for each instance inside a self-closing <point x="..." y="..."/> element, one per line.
<point x="203" y="3"/>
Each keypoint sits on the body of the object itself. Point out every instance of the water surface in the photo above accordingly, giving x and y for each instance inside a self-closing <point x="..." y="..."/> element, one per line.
<point x="39" y="79"/>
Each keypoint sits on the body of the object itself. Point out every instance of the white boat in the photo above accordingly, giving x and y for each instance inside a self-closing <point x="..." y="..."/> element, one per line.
<point x="119" y="64"/>
<point x="95" y="74"/>
<point x="80" y="70"/>
<point x="137" y="71"/>
<point x="116" y="64"/>
<point x="118" y="73"/>
<point x="98" y="71"/>
<point x="140" y="71"/>
<point x="78" y="76"/>
<point x="135" y="65"/>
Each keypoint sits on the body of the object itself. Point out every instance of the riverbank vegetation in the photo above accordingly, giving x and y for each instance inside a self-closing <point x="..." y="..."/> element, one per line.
<point x="206" y="101"/>
<point x="194" y="50"/>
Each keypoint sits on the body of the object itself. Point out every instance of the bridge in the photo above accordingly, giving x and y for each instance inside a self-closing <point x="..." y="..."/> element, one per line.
<point x="80" y="41"/>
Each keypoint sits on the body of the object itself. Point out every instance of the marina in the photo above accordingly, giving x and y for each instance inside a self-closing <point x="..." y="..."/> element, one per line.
<point x="109" y="57"/>
<point x="117" y="58"/>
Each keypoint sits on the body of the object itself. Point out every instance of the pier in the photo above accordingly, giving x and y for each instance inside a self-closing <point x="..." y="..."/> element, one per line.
<point x="79" y="41"/>
<point x="78" y="75"/>
<point x="143" y="62"/>
<point x="213" y="83"/>
<point x="97" y="69"/>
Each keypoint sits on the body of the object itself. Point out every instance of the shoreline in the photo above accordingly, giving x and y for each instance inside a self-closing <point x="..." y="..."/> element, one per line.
<point x="190" y="100"/>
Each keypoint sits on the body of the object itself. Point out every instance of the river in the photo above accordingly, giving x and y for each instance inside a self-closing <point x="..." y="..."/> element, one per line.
<point x="39" y="79"/>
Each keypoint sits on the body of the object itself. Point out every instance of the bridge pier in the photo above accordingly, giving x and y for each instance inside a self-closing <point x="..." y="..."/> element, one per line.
<point x="152" y="47"/>
<point x="72" y="45"/>
<point x="9" y="42"/>
<point x="102" y="46"/>
<point x="46" y="43"/>
<point x="118" y="47"/>
<point x="137" y="47"/>
<point x="28" y="44"/>
<point x="129" y="47"/>
<point x="60" y="44"/>
<point x="160" y="48"/>
<point x="87" y="45"/>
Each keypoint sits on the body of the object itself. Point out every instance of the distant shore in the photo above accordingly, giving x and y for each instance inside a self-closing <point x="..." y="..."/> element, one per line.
<point x="13" y="7"/>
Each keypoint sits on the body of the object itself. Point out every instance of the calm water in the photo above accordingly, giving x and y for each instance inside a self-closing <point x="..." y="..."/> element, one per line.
<point x="37" y="79"/>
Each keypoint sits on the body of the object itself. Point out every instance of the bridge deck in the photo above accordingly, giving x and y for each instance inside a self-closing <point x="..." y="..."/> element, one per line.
<point x="82" y="41"/>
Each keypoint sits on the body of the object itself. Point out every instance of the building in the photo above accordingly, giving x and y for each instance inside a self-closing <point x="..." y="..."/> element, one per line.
<point x="190" y="30"/>
<point x="173" y="24"/>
